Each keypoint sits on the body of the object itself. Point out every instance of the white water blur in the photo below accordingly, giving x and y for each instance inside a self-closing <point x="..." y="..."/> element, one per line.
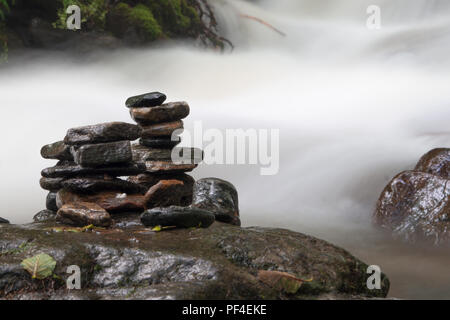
<point x="354" y="107"/>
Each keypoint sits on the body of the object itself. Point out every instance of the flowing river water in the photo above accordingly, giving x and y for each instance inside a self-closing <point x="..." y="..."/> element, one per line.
<point x="354" y="107"/>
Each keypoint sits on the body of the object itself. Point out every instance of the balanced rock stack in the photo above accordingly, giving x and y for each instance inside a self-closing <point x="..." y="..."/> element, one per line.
<point x="87" y="187"/>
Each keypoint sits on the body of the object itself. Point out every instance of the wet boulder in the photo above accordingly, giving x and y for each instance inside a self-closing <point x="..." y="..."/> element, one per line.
<point x="436" y="161"/>
<point x="2" y="220"/>
<point x="218" y="196"/>
<point x="415" y="206"/>
<point x="180" y="217"/>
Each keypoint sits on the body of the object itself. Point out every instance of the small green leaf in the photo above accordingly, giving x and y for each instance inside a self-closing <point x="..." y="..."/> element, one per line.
<point x="157" y="228"/>
<point x="40" y="266"/>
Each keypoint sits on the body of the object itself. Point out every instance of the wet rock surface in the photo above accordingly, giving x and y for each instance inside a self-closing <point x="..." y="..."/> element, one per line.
<point x="160" y="142"/>
<point x="45" y="215"/>
<point x="168" y="192"/>
<point x="221" y="262"/>
<point x="93" y="185"/>
<point x="50" y="202"/>
<point x="101" y="133"/>
<point x="148" y="180"/>
<point x="51" y="184"/>
<point x="83" y="214"/>
<point x="218" y="196"/>
<point x="103" y="154"/>
<point x="436" y="161"/>
<point x="151" y="99"/>
<point x="162" y="129"/>
<point x="58" y="150"/>
<point x="2" y="220"/>
<point x="71" y="169"/>
<point x="415" y="206"/>
<point x="167" y="112"/>
<point x="180" y="217"/>
<point x="168" y="167"/>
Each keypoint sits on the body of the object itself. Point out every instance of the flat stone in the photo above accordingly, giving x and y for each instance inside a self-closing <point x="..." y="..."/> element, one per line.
<point x="168" y="193"/>
<point x="217" y="196"/>
<point x="58" y="150"/>
<point x="103" y="154"/>
<point x="50" y="202"/>
<point x="93" y="185"/>
<point x="142" y="153"/>
<point x="103" y="132"/>
<point x="51" y="184"/>
<point x="45" y="215"/>
<point x="83" y="214"/>
<point x="167" y="112"/>
<point x="145" y="100"/>
<point x="162" y="129"/>
<point x="148" y="180"/>
<point x="168" y="167"/>
<point x="4" y="221"/>
<point x="415" y="206"/>
<point x="181" y="217"/>
<point x="71" y="169"/>
<point x="160" y="142"/>
<point x="436" y="161"/>
<point x="112" y="202"/>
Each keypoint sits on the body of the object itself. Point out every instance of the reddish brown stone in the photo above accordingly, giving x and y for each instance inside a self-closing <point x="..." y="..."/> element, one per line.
<point x="83" y="214"/>
<point x="436" y="161"/>
<point x="112" y="202"/>
<point x="165" y="113"/>
<point x="150" y="179"/>
<point x="161" y="129"/>
<point x="166" y="193"/>
<point x="168" y="167"/>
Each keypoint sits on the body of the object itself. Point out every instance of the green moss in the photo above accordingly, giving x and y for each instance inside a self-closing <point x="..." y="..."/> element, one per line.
<point x="93" y="14"/>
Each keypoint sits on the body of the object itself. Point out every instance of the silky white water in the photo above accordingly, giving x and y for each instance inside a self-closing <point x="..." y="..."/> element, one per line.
<point x="354" y="107"/>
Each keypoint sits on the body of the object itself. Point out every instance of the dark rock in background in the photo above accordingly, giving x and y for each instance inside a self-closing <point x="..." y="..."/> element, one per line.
<point x="83" y="214"/>
<point x="181" y="217"/>
<point x="58" y="150"/>
<point x="45" y="215"/>
<point x="103" y="154"/>
<point x="103" y="132"/>
<point x="145" y="100"/>
<point x="436" y="161"/>
<point x="167" y="112"/>
<point x="2" y="220"/>
<point x="218" y="196"/>
<point x="50" y="202"/>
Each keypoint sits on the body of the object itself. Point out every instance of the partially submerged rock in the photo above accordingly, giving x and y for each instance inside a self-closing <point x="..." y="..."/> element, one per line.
<point x="103" y="132"/>
<point x="180" y="217"/>
<point x="218" y="196"/>
<point x="220" y="262"/>
<point x="83" y="214"/>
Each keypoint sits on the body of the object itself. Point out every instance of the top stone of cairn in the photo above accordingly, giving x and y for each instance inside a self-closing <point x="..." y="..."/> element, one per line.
<point x="146" y="100"/>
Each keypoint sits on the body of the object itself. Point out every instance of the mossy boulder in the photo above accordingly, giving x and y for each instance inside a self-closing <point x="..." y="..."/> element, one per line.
<point x="220" y="262"/>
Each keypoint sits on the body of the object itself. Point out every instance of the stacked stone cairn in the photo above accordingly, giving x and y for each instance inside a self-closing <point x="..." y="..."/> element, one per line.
<point x="103" y="177"/>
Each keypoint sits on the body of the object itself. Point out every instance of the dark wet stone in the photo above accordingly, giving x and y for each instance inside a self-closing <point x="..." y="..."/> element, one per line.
<point x="103" y="154"/>
<point x="436" y="161"/>
<point x="103" y="132"/>
<point x="151" y="99"/>
<point x="160" y="142"/>
<point x="162" y="129"/>
<point x="58" y="150"/>
<point x="45" y="215"/>
<point x="218" y="196"/>
<point x="51" y="184"/>
<point x="112" y="202"/>
<point x="50" y="202"/>
<point x="415" y="206"/>
<point x="167" y="112"/>
<point x="164" y="167"/>
<point x="186" y="155"/>
<point x="82" y="214"/>
<point x="148" y="180"/>
<point x="3" y="221"/>
<point x="181" y="217"/>
<point x="70" y="169"/>
<point x="168" y="193"/>
<point x="92" y="185"/>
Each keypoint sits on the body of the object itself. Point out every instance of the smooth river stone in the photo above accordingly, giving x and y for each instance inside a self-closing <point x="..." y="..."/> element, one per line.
<point x="113" y="202"/>
<point x="51" y="184"/>
<point x="50" y="202"/>
<point x="436" y="161"/>
<point x="181" y="217"/>
<point x="70" y="169"/>
<point x="150" y="99"/>
<point x="148" y="180"/>
<point x="167" y="112"/>
<point x="168" y="167"/>
<point x="45" y="215"/>
<point x="58" y="150"/>
<point x="93" y="185"/>
<point x="103" y="132"/>
<point x="160" y="142"/>
<point x="177" y="154"/>
<point x="218" y="196"/>
<point x="103" y="154"/>
<point x="82" y="214"/>
<point x="162" y="129"/>
<point x="168" y="193"/>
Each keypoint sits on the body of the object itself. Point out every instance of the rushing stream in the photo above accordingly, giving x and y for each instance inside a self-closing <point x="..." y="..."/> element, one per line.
<point x="354" y="107"/>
